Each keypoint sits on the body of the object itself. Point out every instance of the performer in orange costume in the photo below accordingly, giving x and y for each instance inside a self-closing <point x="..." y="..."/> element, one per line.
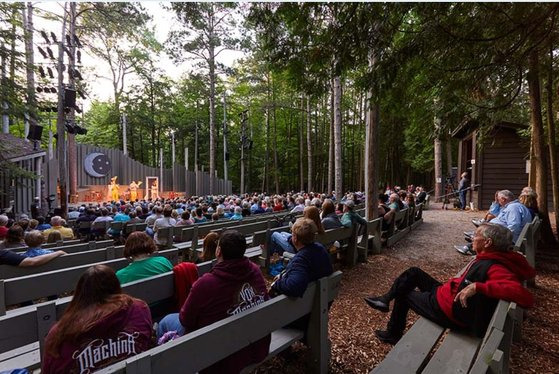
<point x="113" y="189"/>
<point x="134" y="190"/>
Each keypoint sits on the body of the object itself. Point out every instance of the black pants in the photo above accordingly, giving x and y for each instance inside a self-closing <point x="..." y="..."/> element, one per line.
<point x="423" y="301"/>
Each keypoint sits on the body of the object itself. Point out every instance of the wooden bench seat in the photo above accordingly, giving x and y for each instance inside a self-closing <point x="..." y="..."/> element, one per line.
<point x="31" y="287"/>
<point x="421" y="350"/>
<point x="24" y="329"/>
<point x="198" y="350"/>
<point x="63" y="262"/>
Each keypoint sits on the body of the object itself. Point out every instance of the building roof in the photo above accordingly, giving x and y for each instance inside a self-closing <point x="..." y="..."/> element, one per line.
<point x="14" y="149"/>
<point x="466" y="127"/>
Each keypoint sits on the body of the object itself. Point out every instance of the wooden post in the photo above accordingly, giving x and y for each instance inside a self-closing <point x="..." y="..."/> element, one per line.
<point x="317" y="330"/>
<point x="46" y="318"/>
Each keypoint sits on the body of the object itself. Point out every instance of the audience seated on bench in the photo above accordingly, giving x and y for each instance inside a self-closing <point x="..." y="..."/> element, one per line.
<point x="465" y="303"/>
<point x="140" y="248"/>
<point x="100" y="326"/>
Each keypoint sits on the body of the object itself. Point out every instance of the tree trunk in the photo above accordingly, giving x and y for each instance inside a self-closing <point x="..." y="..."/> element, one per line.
<point x="4" y="85"/>
<point x="309" y="146"/>
<point x="330" y="187"/>
<point x="371" y="156"/>
<point x="31" y="107"/>
<point x="212" y="116"/>
<point x="448" y="145"/>
<point x="60" y="125"/>
<point x="152" y="115"/>
<point x="537" y="156"/>
<point x="276" y="167"/>
<point x="552" y="144"/>
<point x="338" y="138"/>
<point x="301" y="144"/>
<point x="438" y="160"/>
<point x="267" y="153"/>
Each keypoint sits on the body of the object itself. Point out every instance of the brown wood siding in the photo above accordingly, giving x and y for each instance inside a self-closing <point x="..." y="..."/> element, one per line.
<point x="504" y="166"/>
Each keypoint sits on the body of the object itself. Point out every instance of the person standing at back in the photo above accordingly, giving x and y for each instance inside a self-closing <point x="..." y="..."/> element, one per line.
<point x="463" y="189"/>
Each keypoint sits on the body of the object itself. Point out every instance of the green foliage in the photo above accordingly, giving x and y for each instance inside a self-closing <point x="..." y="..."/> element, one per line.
<point x="102" y="126"/>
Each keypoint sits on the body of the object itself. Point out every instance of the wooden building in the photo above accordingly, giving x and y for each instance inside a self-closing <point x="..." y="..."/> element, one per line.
<point x="495" y="158"/>
<point x="18" y="192"/>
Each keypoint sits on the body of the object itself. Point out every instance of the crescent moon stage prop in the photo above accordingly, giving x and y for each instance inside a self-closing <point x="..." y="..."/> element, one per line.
<point x="97" y="164"/>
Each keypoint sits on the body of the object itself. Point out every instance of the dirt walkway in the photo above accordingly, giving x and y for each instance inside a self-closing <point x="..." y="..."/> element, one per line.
<point x="354" y="346"/>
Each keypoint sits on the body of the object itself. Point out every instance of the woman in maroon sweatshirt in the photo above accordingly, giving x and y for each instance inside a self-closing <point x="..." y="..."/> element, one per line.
<point x="100" y="326"/>
<point x="467" y="301"/>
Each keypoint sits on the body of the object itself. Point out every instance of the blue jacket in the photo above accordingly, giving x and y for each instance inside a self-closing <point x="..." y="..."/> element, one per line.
<point x="513" y="216"/>
<point x="311" y="263"/>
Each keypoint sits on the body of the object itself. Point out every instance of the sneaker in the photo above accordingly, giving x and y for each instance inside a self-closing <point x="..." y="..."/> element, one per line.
<point x="378" y="304"/>
<point x="477" y="222"/>
<point x="386" y="337"/>
<point x="464" y="249"/>
<point x="468" y="233"/>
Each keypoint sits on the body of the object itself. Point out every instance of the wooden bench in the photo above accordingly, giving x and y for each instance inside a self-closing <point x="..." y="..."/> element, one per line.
<point x="204" y="347"/>
<point x="24" y="329"/>
<point x="370" y="242"/>
<point x="66" y="261"/>
<point x="527" y="242"/>
<point x="79" y="247"/>
<point x="420" y="349"/>
<point x="398" y="227"/>
<point x="17" y="290"/>
<point x="129" y="228"/>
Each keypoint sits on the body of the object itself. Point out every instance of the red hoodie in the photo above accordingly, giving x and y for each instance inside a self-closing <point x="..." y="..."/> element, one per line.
<point x="118" y="336"/>
<point x="503" y="281"/>
<point x="231" y="287"/>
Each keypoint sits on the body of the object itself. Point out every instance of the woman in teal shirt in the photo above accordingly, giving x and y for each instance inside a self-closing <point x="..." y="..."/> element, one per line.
<point x="139" y="248"/>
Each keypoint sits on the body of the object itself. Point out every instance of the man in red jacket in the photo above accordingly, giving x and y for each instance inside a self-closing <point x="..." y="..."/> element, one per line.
<point x="465" y="302"/>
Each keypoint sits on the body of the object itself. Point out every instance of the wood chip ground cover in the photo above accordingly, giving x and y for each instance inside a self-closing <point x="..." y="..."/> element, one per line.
<point x="352" y="323"/>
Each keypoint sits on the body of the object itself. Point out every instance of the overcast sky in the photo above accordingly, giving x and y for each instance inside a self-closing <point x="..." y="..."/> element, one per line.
<point x="95" y="69"/>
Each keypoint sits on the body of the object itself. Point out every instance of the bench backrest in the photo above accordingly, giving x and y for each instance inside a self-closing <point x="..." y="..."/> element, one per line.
<point x="198" y="350"/>
<point x="63" y="262"/>
<point x="31" y="324"/>
<point x="31" y="287"/>
<point x="373" y="232"/>
<point x="129" y="228"/>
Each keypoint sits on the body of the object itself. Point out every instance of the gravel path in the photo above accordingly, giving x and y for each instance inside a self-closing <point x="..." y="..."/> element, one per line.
<point x="355" y="349"/>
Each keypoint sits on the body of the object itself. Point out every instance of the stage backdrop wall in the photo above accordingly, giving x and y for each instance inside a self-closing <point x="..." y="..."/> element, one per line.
<point x="176" y="179"/>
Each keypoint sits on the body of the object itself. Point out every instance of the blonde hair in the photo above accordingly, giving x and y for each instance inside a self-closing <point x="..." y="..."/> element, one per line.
<point x="305" y="229"/>
<point x="529" y="200"/>
<point x="34" y="238"/>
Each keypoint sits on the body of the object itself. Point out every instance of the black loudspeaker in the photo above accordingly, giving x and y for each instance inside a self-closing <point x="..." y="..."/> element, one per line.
<point x="69" y="98"/>
<point x="35" y="132"/>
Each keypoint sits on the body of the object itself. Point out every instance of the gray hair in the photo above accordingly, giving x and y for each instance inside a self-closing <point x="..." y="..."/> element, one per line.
<point x="56" y="221"/>
<point x="3" y="219"/>
<point x="499" y="235"/>
<point x="238" y="210"/>
<point x="506" y="194"/>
